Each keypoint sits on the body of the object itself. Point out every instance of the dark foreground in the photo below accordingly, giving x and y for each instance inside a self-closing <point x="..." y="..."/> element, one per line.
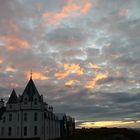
<point x="100" y="134"/>
<point x="105" y="134"/>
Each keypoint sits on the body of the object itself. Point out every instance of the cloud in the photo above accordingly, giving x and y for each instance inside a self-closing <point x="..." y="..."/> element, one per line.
<point x="10" y="69"/>
<point x="71" y="83"/>
<point x="98" y="78"/>
<point x="70" y="45"/>
<point x="67" y="37"/>
<point x="70" y="9"/>
<point x="12" y="42"/>
<point x="36" y="76"/>
<point x="70" y="69"/>
<point x="1" y="60"/>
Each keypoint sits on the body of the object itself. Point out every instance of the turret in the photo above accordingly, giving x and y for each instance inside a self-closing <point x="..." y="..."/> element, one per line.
<point x="1" y="103"/>
<point x="13" y="98"/>
<point x="12" y="103"/>
<point x="30" y="91"/>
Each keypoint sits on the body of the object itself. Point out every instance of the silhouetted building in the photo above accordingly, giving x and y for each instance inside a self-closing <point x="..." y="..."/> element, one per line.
<point x="28" y="116"/>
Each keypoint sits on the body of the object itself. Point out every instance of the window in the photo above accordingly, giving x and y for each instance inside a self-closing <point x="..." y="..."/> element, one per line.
<point x="10" y="117"/>
<point x="25" y="130"/>
<point x="45" y="116"/>
<point x="35" y="101"/>
<point x="35" y="116"/>
<point x="25" y="101"/>
<point x="25" y="116"/>
<point x="35" y="130"/>
<point x="42" y="130"/>
<point x="9" y="131"/>
<point x="2" y="131"/>
<point x="4" y="119"/>
<point x="17" y="130"/>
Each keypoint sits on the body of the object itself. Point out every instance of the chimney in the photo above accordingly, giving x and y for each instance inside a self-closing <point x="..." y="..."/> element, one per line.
<point x="51" y="108"/>
<point x="46" y="105"/>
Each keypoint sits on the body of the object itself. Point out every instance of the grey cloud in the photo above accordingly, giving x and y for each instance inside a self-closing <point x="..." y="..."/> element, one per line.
<point x="67" y="37"/>
<point x="102" y="36"/>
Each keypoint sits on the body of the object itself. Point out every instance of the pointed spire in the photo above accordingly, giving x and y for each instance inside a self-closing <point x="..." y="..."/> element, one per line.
<point x="13" y="98"/>
<point x="30" y="90"/>
<point x="31" y="74"/>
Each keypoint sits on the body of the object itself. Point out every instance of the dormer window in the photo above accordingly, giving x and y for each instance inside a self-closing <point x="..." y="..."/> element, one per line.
<point x="35" y="101"/>
<point x="25" y="101"/>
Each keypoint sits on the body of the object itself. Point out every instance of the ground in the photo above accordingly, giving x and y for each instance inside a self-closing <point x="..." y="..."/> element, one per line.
<point x="105" y="134"/>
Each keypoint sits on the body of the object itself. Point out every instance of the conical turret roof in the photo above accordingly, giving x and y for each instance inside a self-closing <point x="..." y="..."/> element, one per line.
<point x="30" y="90"/>
<point x="13" y="98"/>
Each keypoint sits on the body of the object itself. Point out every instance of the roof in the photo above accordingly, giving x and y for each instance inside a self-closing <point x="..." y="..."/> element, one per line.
<point x="13" y="98"/>
<point x="30" y="90"/>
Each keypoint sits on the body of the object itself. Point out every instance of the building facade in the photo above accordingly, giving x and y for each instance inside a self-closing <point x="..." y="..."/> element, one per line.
<point x="28" y="116"/>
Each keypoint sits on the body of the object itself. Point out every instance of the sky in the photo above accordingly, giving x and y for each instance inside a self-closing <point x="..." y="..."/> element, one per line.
<point x="84" y="56"/>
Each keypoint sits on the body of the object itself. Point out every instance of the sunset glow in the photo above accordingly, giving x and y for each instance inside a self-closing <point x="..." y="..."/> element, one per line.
<point x="71" y="9"/>
<point x="106" y="124"/>
<point x="92" y="83"/>
<point x="37" y="76"/>
<point x="83" y="56"/>
<point x="71" y="83"/>
<point x="69" y="69"/>
<point x="94" y="66"/>
<point x="10" y="69"/>
<point x="12" y="42"/>
<point x="1" y="61"/>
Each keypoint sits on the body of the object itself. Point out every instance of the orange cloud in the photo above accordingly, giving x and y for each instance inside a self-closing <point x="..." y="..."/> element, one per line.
<point x="13" y="42"/>
<point x="86" y="7"/>
<point x="94" y="66"/>
<point x="72" y="8"/>
<point x="1" y="60"/>
<point x="92" y="83"/>
<point x="74" y="68"/>
<point x="131" y="81"/>
<point x="70" y="83"/>
<point x="37" y="76"/>
<point x="10" y="69"/>
<point x="14" y="85"/>
<point x="69" y="69"/>
<point x="61" y="75"/>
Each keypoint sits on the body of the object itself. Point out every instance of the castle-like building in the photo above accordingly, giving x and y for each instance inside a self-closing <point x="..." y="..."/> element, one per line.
<point x="28" y="116"/>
